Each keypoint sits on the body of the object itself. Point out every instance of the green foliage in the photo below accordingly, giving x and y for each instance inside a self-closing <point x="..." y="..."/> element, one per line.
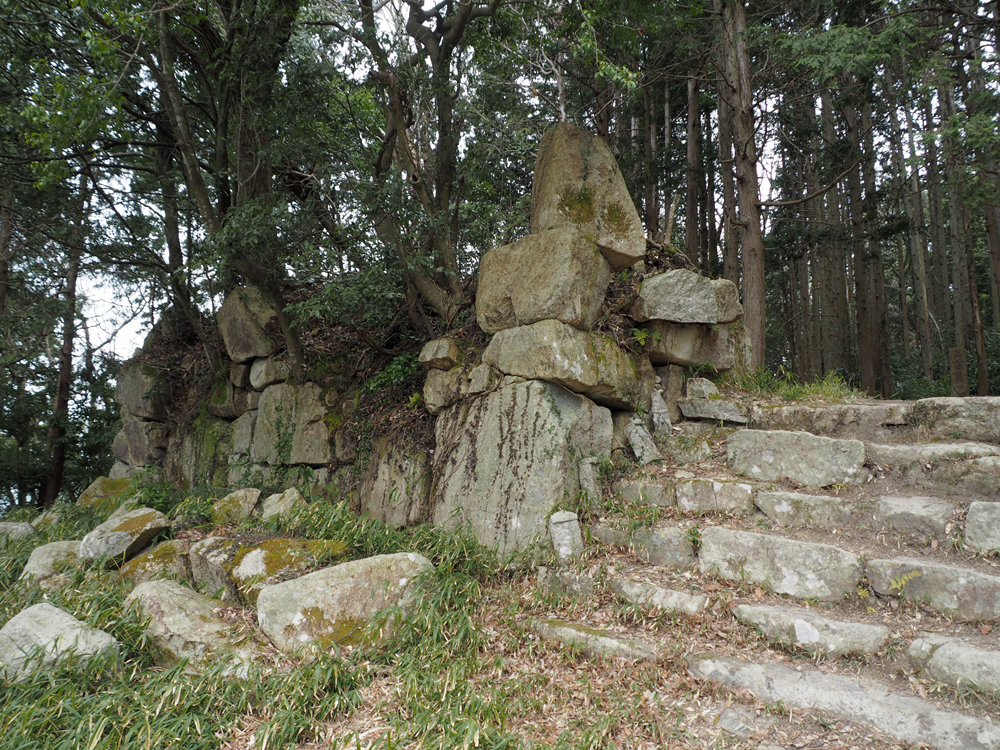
<point x="396" y="372"/>
<point x="785" y="386"/>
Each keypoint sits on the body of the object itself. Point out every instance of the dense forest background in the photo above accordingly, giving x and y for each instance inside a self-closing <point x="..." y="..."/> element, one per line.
<point x="354" y="160"/>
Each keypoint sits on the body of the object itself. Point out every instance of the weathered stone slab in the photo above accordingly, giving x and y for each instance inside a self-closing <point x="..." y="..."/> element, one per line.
<point x="857" y="421"/>
<point x="776" y="455"/>
<point x="700" y="495"/>
<point x="440" y="354"/>
<point x="40" y="637"/>
<point x="915" y="721"/>
<point x="120" y="538"/>
<point x="186" y="625"/>
<point x="982" y="526"/>
<point x="955" y="663"/>
<point x="590" y="477"/>
<point x="592" y="641"/>
<point x="577" y="183"/>
<point x="282" y="504"/>
<point x="558" y="274"/>
<point x="567" y="539"/>
<point x="681" y="449"/>
<point x="333" y="606"/>
<point x="142" y="391"/>
<point x="291" y="426"/>
<point x="922" y="518"/>
<point x="642" y="443"/>
<point x="396" y="485"/>
<point x="796" y="510"/>
<point x="166" y="560"/>
<point x="716" y="410"/>
<point x="690" y="344"/>
<point x="503" y="461"/>
<point x="683" y="296"/>
<point x="975" y="418"/>
<point x="49" y="560"/>
<point x="248" y="324"/>
<point x="672" y="388"/>
<point x="564" y="582"/>
<point x="811" y="632"/>
<point x="668" y="547"/>
<point x="582" y="362"/>
<point x="648" y="595"/>
<point x="236" y="506"/>
<point x="442" y="388"/>
<point x="645" y="491"/>
<point x="902" y="457"/>
<point x="139" y="442"/>
<point x="962" y="594"/>
<point x="971" y="469"/>
<point x="804" y="570"/>
<point x="259" y="565"/>
<point x="209" y="560"/>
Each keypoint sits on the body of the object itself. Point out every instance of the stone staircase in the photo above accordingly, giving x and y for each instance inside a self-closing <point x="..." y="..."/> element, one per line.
<point x="858" y="535"/>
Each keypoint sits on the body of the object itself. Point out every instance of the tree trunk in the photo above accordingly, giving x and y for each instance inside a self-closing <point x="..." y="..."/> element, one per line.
<point x="692" y="243"/>
<point x="940" y="285"/>
<point x="6" y="234"/>
<point x="836" y="320"/>
<point x="730" y="230"/>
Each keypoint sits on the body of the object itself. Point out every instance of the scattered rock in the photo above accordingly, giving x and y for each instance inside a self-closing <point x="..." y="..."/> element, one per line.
<point x="776" y="455"/>
<point x="282" y="504"/>
<point x="49" y="560"/>
<point x="567" y="540"/>
<point x="921" y="518"/>
<point x="166" y="560"/>
<point x="259" y="565"/>
<point x="15" y="529"/>
<point x="592" y="641"/>
<point x="105" y="493"/>
<point x="796" y="510"/>
<point x="648" y="595"/>
<point x="962" y="594"/>
<point x="810" y="632"/>
<point x="210" y="560"/>
<point x="439" y="354"/>
<point x="642" y="442"/>
<point x="119" y="539"/>
<point x="236" y="506"/>
<point x="42" y="636"/>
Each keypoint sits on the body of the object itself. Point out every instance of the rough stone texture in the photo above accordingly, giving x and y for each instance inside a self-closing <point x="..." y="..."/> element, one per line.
<point x="955" y="663"/>
<point x="442" y="388"/>
<point x="922" y="518"/>
<point x="243" y="433"/>
<point x="982" y="526"/>
<point x="186" y="625"/>
<point x="121" y="470"/>
<point x="567" y="539"/>
<point x="701" y="388"/>
<point x="141" y="391"/>
<point x="912" y="720"/>
<point x="440" y="354"/>
<point x="682" y="296"/>
<point x="120" y="538"/>
<point x="45" y="519"/>
<point x="797" y="510"/>
<point x="298" y="412"/>
<point x="803" y="570"/>
<point x="668" y="547"/>
<point x="396" y="485"/>
<point x="282" y="504"/>
<point x="716" y="410"/>
<point x="267" y="371"/>
<point x="645" y="491"/>
<point x="503" y="461"/>
<point x="904" y="457"/>
<point x="166" y="560"/>
<point x="248" y="324"/>
<point x="104" y="493"/>
<point x="648" y="595"/>
<point x="239" y="374"/>
<point x="226" y="400"/>
<point x="810" y="632"/>
<point x="860" y="421"/>
<point x="681" y="449"/>
<point x="776" y="455"/>
<point x="582" y="362"/>
<point x="672" y="388"/>
<point x="554" y="275"/>
<point x="260" y="565"/>
<point x="15" y="529"/>
<point x="199" y="453"/>
<point x="333" y="606"/>
<point x="482" y="378"/>
<point x="962" y="594"/>
<point x="641" y="442"/>
<point x="209" y="561"/>
<point x="700" y="495"/>
<point x="140" y="443"/>
<point x="564" y="582"/>
<point x="236" y="506"/>
<point x="49" y="560"/>
<point x="577" y="183"/>
<point x="971" y="469"/>
<point x="976" y="418"/>
<point x="592" y="641"/>
<point x="590" y="477"/>
<point x="690" y="344"/>
<point x="40" y="637"/>
<point x="660" y="414"/>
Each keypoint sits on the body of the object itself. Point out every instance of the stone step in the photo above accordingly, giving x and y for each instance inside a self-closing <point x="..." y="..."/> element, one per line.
<point x="965" y="469"/>
<point x="927" y="419"/>
<point x="800" y="457"/>
<point x="959" y="593"/>
<point x="658" y="597"/>
<point x="807" y="631"/>
<point x="955" y="663"/>
<point x="592" y="640"/>
<point x="910" y="719"/>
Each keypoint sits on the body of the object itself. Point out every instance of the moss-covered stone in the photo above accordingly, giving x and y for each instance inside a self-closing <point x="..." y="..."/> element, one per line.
<point x="166" y="560"/>
<point x="254" y="567"/>
<point x="105" y="494"/>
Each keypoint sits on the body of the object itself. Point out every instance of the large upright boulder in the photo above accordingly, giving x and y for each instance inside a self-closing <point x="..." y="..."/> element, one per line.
<point x="504" y="460"/>
<point x="578" y="184"/>
<point x="199" y="453"/>
<point x="558" y="274"/>
<point x="291" y="426"/>
<point x="248" y="324"/>
<point x="142" y="391"/>
<point x="397" y="483"/>
<point x="583" y="362"/>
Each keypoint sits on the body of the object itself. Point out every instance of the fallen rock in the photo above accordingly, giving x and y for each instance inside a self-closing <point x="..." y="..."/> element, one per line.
<point x="683" y="296"/>
<point x="49" y="560"/>
<point x="209" y="560"/>
<point x="577" y="183"/>
<point x="648" y="595"/>
<point x="259" y="565"/>
<point x="714" y="409"/>
<point x="440" y="354"/>
<point x="642" y="443"/>
<point x="962" y="594"/>
<point x="119" y="539"/>
<point x="166" y="560"/>
<point x="582" y="362"/>
<point x="104" y="493"/>
<point x="15" y="529"/>
<point x="592" y="641"/>
<point x="248" y="324"/>
<point x="804" y="570"/>
<point x="236" y="506"/>
<point x="810" y="632"/>
<point x="921" y="518"/>
<point x="282" y="504"/>
<point x="557" y="274"/>
<point x="982" y="526"/>
<point x="333" y="606"/>
<point x="797" y="510"/>
<point x="810" y="460"/>
<point x="41" y="637"/>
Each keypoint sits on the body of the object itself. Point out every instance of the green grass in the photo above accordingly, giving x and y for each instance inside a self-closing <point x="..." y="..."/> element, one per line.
<point x="785" y="386"/>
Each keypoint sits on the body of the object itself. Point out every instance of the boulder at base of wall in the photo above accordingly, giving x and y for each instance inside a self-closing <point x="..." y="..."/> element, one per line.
<point x="578" y="184"/>
<point x="248" y="324"/>
<point x="503" y="461"/>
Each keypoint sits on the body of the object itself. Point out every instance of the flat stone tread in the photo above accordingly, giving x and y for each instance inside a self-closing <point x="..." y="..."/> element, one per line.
<point x="907" y="718"/>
